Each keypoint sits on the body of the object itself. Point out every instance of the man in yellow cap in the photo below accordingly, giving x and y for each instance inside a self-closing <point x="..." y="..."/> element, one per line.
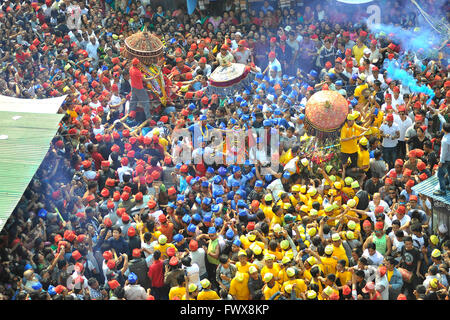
<point x="271" y="266"/>
<point x="350" y="133"/>
<point x="328" y="261"/>
<point x="363" y="163"/>
<point x="299" y="285"/>
<point x="266" y="206"/>
<point x="243" y="265"/>
<point x="191" y="291"/>
<point x="338" y="248"/>
<point x="239" y="286"/>
<point x="271" y="286"/>
<point x="207" y="293"/>
<point x="255" y="283"/>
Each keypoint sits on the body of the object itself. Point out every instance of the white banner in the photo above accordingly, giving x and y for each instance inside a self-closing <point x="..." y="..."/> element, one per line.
<point x="50" y="105"/>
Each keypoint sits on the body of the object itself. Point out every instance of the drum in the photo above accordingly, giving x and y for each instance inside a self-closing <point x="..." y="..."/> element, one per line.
<point x="226" y="81"/>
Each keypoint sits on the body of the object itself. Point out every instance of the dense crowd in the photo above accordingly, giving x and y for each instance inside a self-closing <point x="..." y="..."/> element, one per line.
<point x="110" y="214"/>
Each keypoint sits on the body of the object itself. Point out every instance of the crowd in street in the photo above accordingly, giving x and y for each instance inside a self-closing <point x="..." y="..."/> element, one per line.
<point x="111" y="215"/>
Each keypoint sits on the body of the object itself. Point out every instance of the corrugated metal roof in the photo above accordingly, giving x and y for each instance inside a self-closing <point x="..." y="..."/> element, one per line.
<point x="21" y="153"/>
<point x="427" y="188"/>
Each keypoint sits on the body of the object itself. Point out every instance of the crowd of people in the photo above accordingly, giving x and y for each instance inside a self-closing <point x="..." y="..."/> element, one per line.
<point x="110" y="214"/>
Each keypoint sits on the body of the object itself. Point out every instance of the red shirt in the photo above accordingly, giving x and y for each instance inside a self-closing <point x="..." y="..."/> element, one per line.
<point x="155" y="273"/>
<point x="97" y="157"/>
<point x="21" y="57"/>
<point x="136" y="78"/>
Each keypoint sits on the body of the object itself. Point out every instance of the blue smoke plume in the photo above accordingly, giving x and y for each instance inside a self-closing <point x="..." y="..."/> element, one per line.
<point x="396" y="73"/>
<point x="419" y="39"/>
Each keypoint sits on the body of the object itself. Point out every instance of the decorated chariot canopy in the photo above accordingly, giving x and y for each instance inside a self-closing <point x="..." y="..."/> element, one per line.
<point x="149" y="49"/>
<point x="325" y="114"/>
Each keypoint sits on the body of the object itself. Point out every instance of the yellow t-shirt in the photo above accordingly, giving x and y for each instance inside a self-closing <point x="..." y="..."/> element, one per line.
<point x="349" y="192"/>
<point x="278" y="255"/>
<point x="329" y="265"/>
<point x="311" y="201"/>
<point x="293" y="200"/>
<point x="276" y="220"/>
<point x="208" y="295"/>
<point x="389" y="274"/>
<point x="319" y="283"/>
<point x="339" y="253"/>
<point x="358" y="52"/>
<point x="243" y="269"/>
<point x="184" y="298"/>
<point x="163" y="249"/>
<point x="350" y="146"/>
<point x="177" y="292"/>
<point x="301" y="286"/>
<point x="268" y="292"/>
<point x="358" y="93"/>
<point x="164" y="143"/>
<point x="274" y="270"/>
<point x="282" y="276"/>
<point x="268" y="213"/>
<point x="240" y="289"/>
<point x="344" y="277"/>
<point x="245" y="242"/>
<point x="363" y="159"/>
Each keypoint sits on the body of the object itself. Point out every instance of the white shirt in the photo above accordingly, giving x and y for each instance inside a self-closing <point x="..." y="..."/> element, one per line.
<point x="275" y="187"/>
<point x="198" y="258"/>
<point x="382" y="203"/>
<point x="397" y="102"/>
<point x="276" y="63"/>
<point x="193" y="273"/>
<point x="403" y="221"/>
<point x="376" y="259"/>
<point x="122" y="170"/>
<point x="403" y="126"/>
<point x="392" y="131"/>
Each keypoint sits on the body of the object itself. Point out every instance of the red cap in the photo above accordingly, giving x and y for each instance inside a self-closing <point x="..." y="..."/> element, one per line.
<point x="401" y="296"/>
<point x="173" y="261"/>
<point x="379" y="225"/>
<point x="136" y="252"/>
<point x="76" y="255"/>
<point x="390" y="117"/>
<point x="171" y="191"/>
<point x="170" y="251"/>
<point x="131" y="231"/>
<point x="107" y="255"/>
<point x="251" y="226"/>
<point x="107" y="222"/>
<point x="366" y="223"/>
<point x="113" y="284"/>
<point x="379" y="209"/>
<point x="125" y="196"/>
<point x="139" y="196"/>
<point x="401" y="209"/>
<point x="125" y="217"/>
<point x="193" y="245"/>
<point x="111" y="264"/>
<point x="410" y="183"/>
<point x="162" y="218"/>
<point x="151" y="204"/>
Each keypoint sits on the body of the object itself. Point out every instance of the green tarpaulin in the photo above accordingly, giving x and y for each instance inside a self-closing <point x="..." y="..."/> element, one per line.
<point x="24" y="142"/>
